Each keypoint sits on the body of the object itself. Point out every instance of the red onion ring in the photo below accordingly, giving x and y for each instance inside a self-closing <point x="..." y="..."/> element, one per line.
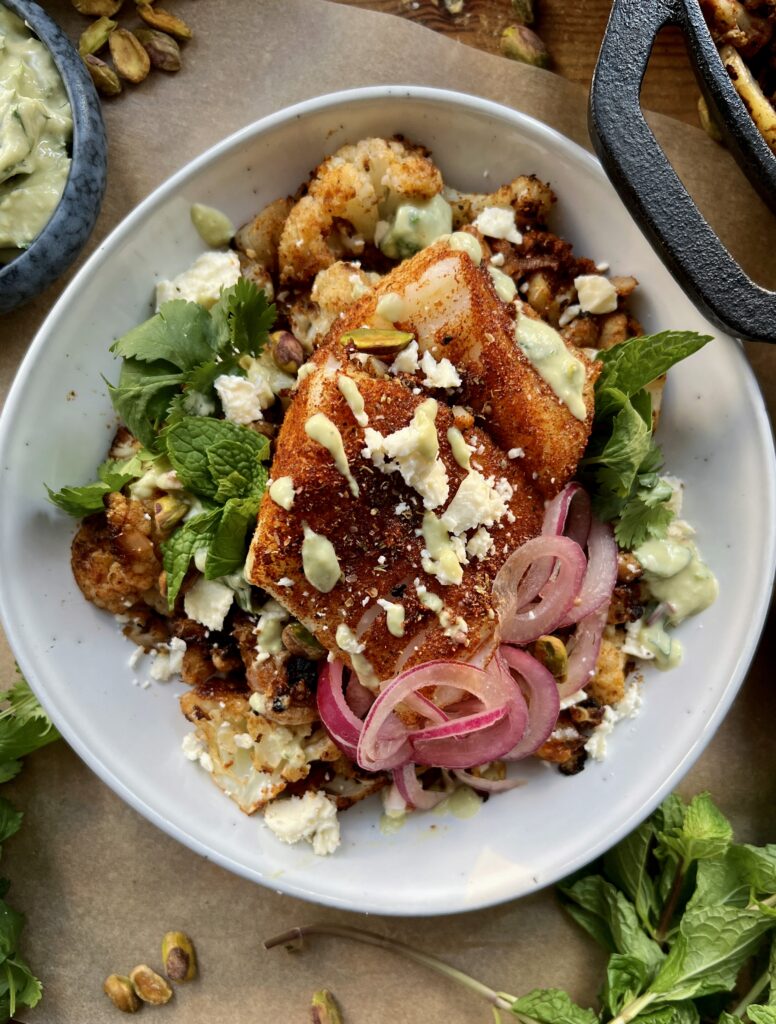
<point x="569" y="513"/>
<point x="486" y="785"/>
<point x="412" y="792"/>
<point x="583" y="649"/>
<point x="543" y="700"/>
<point x="382" y="747"/>
<point x="341" y="723"/>
<point x="515" y="587"/>
<point x="601" y="574"/>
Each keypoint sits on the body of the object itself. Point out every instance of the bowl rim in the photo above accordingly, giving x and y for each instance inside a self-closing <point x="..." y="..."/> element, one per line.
<point x="89" y="141"/>
<point x="26" y="655"/>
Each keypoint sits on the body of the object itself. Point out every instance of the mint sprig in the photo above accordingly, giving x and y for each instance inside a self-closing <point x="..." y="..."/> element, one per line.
<point x="622" y="460"/>
<point x="224" y="465"/>
<point x="679" y="908"/>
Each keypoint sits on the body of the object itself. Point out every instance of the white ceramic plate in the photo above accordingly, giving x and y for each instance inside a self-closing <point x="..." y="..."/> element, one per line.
<point x="57" y="425"/>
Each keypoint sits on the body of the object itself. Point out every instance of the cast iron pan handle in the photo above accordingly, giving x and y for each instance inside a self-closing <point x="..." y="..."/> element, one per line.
<point x="647" y="183"/>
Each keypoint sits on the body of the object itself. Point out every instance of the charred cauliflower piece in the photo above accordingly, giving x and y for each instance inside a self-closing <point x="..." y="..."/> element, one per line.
<point x="250" y="758"/>
<point x="258" y="240"/>
<point x="284" y="683"/>
<point x="114" y="558"/>
<point x="334" y="289"/>
<point x="348" y="194"/>
<point x="608" y="684"/>
<point x="530" y="198"/>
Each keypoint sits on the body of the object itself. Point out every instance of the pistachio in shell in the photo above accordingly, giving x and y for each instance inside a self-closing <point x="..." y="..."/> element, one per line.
<point x="162" y="20"/>
<point x="97" y="8"/>
<point x="105" y="79"/>
<point x="121" y="993"/>
<point x="129" y="55"/>
<point x="375" y="341"/>
<point x="324" y="1008"/>
<point x="150" y="986"/>
<point x="180" y="960"/>
<point x="95" y="36"/>
<point x="162" y="49"/>
<point x="518" y="42"/>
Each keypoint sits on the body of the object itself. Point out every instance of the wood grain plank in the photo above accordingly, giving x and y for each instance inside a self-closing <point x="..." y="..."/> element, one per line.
<point x="572" y="32"/>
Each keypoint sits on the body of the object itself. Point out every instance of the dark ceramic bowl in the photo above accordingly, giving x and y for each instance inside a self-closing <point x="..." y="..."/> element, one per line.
<point x="71" y="223"/>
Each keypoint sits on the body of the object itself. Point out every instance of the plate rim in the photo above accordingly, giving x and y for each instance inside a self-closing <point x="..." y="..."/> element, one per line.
<point x="26" y="656"/>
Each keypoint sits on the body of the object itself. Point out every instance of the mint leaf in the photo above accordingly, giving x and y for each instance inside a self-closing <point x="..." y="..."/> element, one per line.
<point x="626" y="865"/>
<point x="10" y="820"/>
<point x="632" y="364"/>
<point x="705" y="832"/>
<point x="626" y="978"/>
<point x="673" y="1013"/>
<point x="624" y="451"/>
<point x="11" y="924"/>
<point x="227" y="550"/>
<point x="180" y="548"/>
<point x="757" y="865"/>
<point x="181" y="333"/>
<point x="760" y="1014"/>
<point x="610" y="918"/>
<point x="551" y="1006"/>
<point x="204" y="452"/>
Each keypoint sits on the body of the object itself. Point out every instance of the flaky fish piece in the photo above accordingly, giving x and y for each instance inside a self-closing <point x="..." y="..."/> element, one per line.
<point x="372" y="510"/>
<point x="451" y="307"/>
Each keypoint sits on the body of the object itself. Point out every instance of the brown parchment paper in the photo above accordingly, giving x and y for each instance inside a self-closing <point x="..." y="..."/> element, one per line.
<point x="98" y="883"/>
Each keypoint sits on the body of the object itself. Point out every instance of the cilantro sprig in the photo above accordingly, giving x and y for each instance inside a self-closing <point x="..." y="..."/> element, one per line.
<point x="112" y="475"/>
<point x="679" y="907"/>
<point x="177" y="354"/>
<point x="622" y="462"/>
<point x="24" y="728"/>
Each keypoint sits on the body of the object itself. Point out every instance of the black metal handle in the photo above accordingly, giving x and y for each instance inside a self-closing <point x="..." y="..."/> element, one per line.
<point x="647" y="183"/>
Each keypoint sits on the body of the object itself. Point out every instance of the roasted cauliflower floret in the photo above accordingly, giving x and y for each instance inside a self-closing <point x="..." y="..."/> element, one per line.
<point x="608" y="684"/>
<point x="348" y="194"/>
<point x="259" y="238"/>
<point x="530" y="198"/>
<point x="250" y="758"/>
<point x="114" y="558"/>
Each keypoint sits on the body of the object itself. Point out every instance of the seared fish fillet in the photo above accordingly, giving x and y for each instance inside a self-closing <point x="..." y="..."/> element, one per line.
<point x="451" y="307"/>
<point x="377" y="533"/>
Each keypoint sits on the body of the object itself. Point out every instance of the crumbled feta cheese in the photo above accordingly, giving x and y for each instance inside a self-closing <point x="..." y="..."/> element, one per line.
<point x="242" y="399"/>
<point x="497" y="259"/>
<point x="440" y="374"/>
<point x="243" y="740"/>
<point x="208" y="602"/>
<point x="476" y="503"/>
<point x="135" y="657"/>
<point x="407" y="360"/>
<point x="498" y="222"/>
<point x="515" y="453"/>
<point x="569" y="313"/>
<point x="312" y="817"/>
<point x="573" y="698"/>
<point x="628" y="707"/>
<point x="596" y="293"/>
<point x="414" y="453"/>
<point x="480" y="544"/>
<point x="203" y="281"/>
<point x="168" y="660"/>
<point x="195" y="749"/>
<point x="285" y="581"/>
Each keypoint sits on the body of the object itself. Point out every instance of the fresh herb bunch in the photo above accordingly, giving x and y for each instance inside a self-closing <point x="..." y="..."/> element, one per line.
<point x="170" y="364"/>
<point x="622" y="462"/>
<point x="681" y="910"/>
<point x="24" y="728"/>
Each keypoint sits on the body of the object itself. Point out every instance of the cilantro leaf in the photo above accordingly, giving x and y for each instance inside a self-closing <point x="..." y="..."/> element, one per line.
<point x="551" y="1006"/>
<point x="642" y="517"/>
<point x="632" y="364"/>
<point x="24" y="725"/>
<point x="181" y="333"/>
<point x="242" y="318"/>
<point x="18" y="986"/>
<point x="180" y="548"/>
<point x="143" y="395"/>
<point x="10" y="820"/>
<point x="625" y="449"/>
<point x="113" y="475"/>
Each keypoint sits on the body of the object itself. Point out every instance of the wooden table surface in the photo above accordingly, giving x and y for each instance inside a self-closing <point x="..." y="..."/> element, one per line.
<point x="571" y="30"/>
